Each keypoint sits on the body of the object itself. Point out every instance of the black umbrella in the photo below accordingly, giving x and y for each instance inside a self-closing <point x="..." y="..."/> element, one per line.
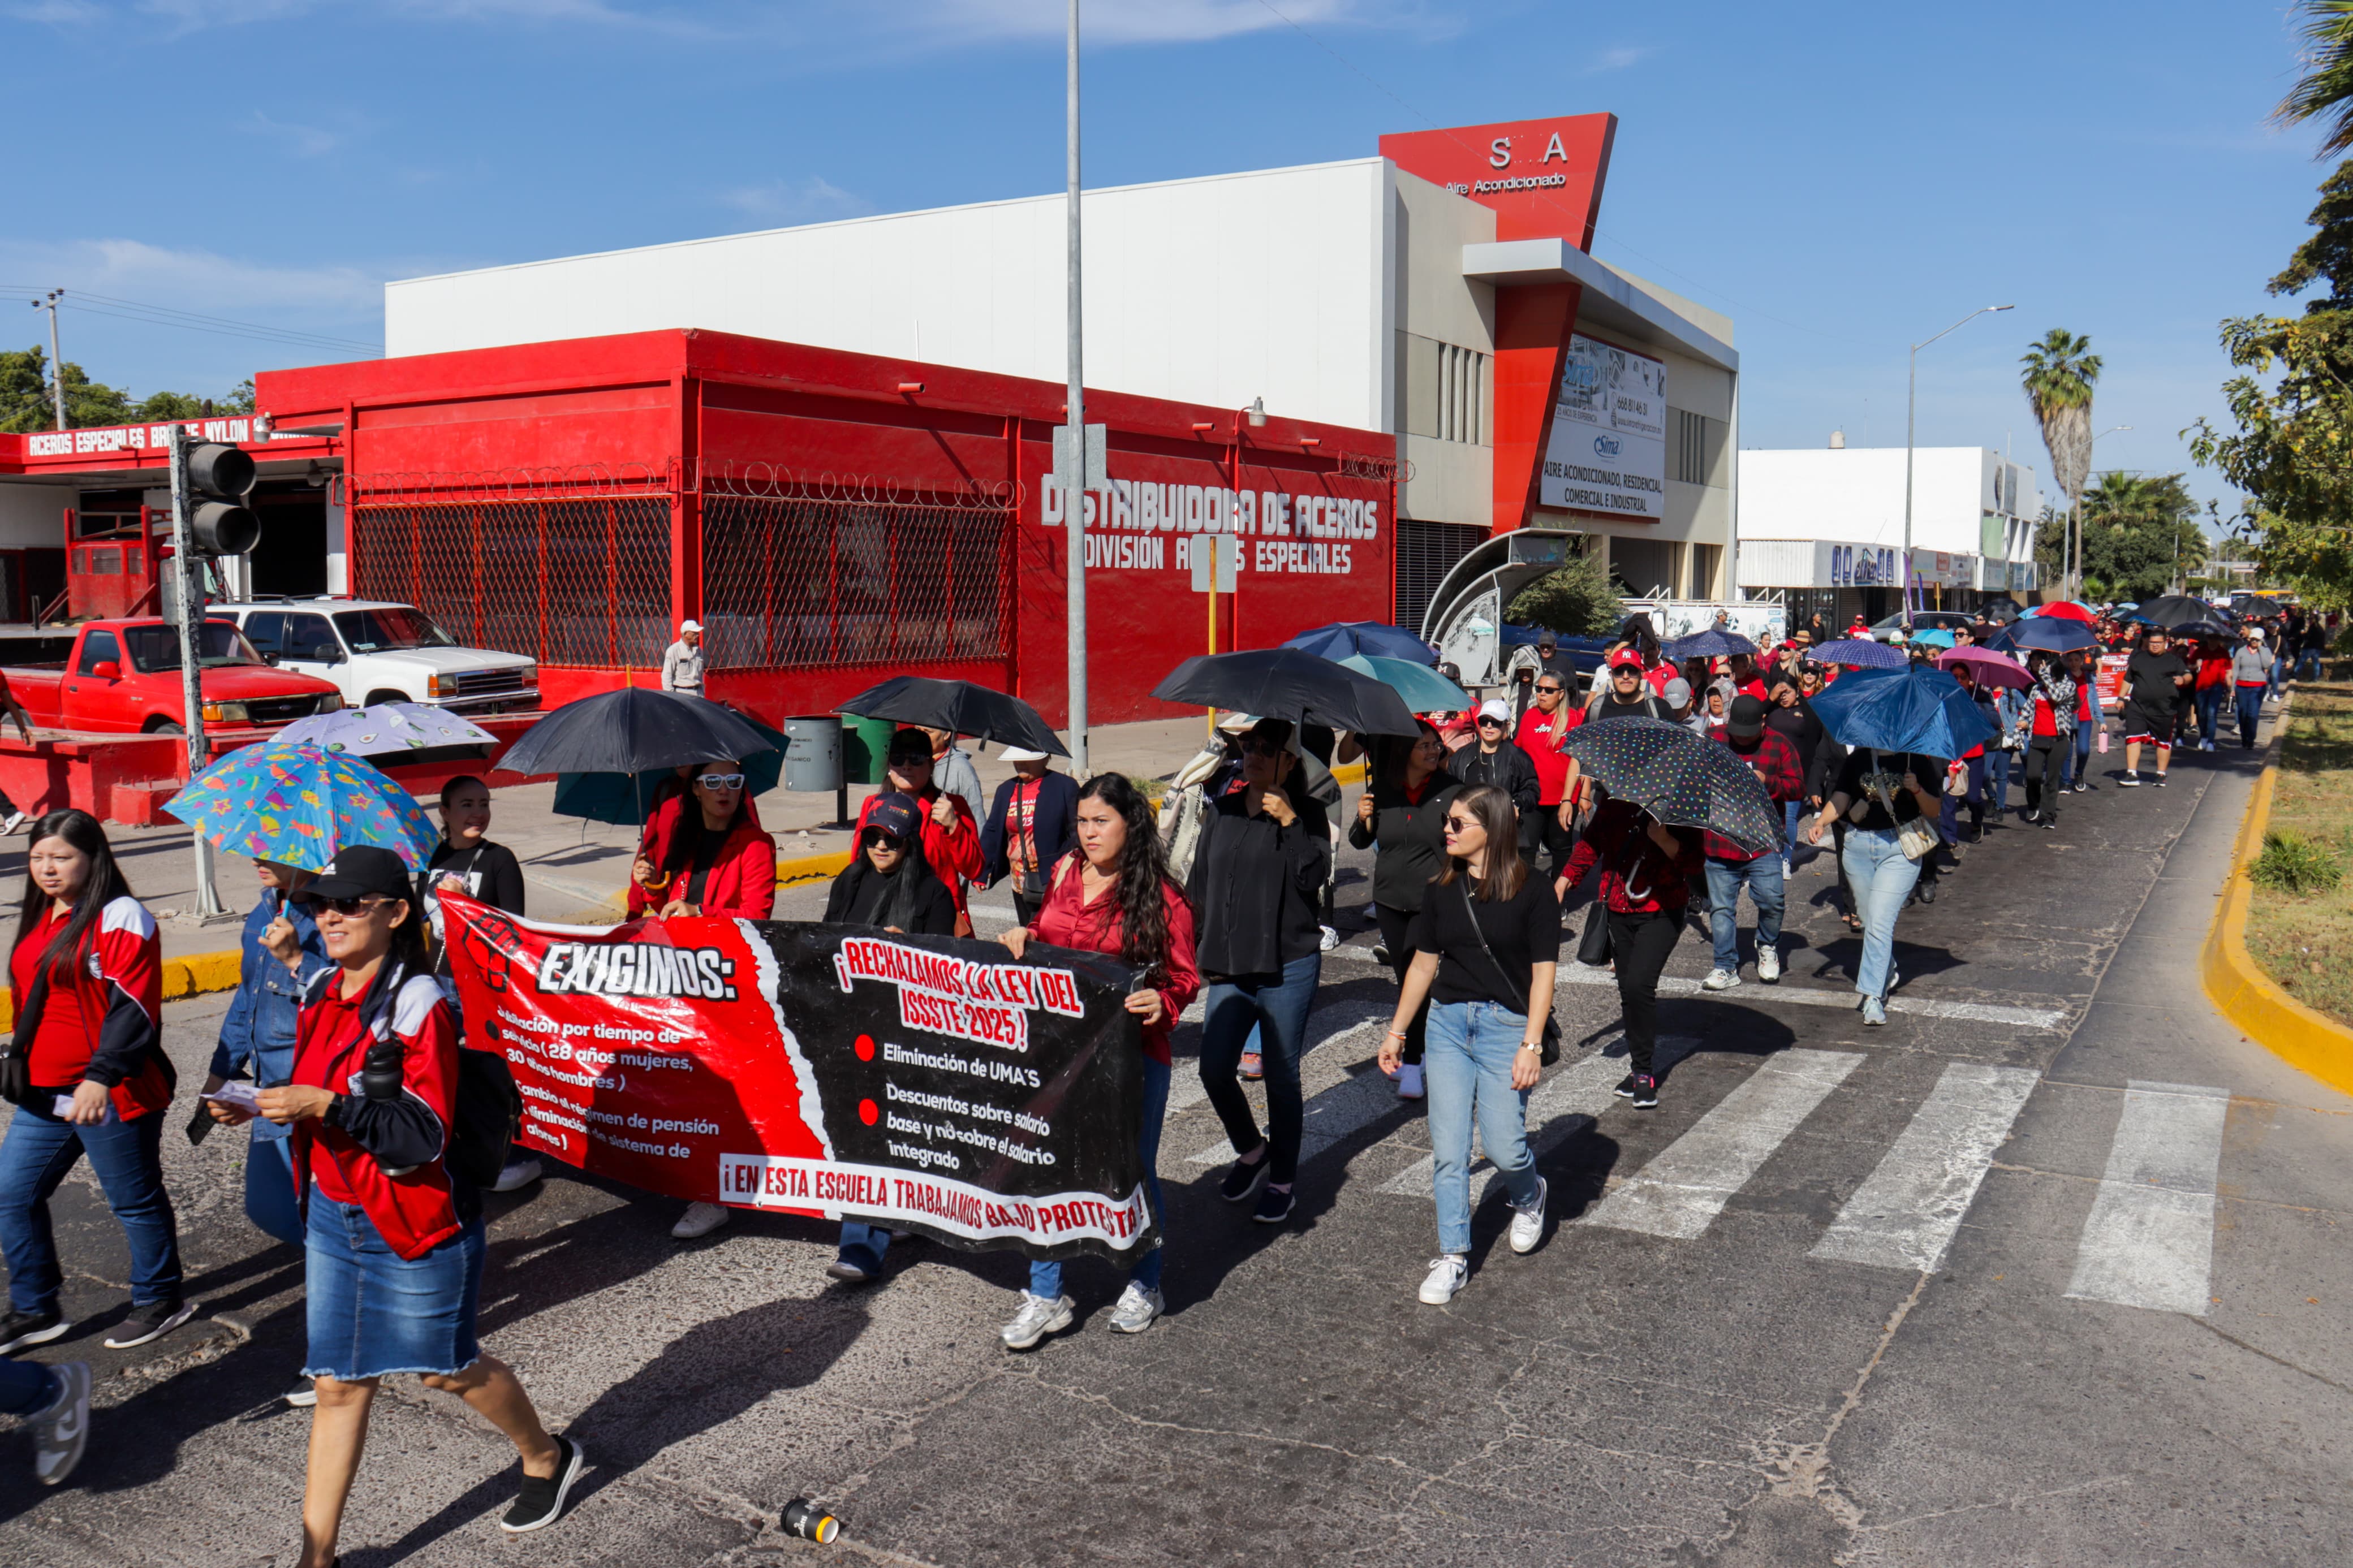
<point x="2042" y="633"/>
<point x="629" y="731"/>
<point x="2178" y="610"/>
<point x="1287" y="683"/>
<point x="1712" y="643"/>
<point x="1679" y="776"/>
<point x="959" y="707"/>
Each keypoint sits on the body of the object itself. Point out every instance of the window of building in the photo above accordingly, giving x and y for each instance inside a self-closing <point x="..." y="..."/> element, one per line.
<point x="1462" y="395"/>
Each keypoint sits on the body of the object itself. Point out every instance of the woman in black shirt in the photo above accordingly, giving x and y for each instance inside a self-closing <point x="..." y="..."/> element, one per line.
<point x="1257" y="887"/>
<point x="466" y="861"/>
<point x="1878" y="792"/>
<point x="1487" y="943"/>
<point x="1403" y="810"/>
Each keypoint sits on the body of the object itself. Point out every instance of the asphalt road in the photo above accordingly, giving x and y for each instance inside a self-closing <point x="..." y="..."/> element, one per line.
<point x="2052" y="1269"/>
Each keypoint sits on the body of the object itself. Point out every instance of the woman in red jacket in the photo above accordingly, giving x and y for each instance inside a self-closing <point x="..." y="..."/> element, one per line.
<point x="1113" y="894"/>
<point x="714" y="859"/>
<point x="88" y="1073"/>
<point x="951" y="833"/>
<point x="393" y="1256"/>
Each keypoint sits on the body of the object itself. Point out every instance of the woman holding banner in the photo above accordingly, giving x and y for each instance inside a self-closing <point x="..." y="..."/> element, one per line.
<point x="1114" y="895"/>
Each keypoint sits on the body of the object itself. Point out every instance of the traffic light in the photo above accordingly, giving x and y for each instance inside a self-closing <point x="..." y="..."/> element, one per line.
<point x="219" y="524"/>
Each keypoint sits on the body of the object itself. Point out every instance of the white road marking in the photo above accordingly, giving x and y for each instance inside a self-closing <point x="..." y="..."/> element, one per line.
<point x="1336" y="1021"/>
<point x="1338" y="1103"/>
<point x="2149" y="1241"/>
<point x="1905" y="1214"/>
<point x="1687" y="1184"/>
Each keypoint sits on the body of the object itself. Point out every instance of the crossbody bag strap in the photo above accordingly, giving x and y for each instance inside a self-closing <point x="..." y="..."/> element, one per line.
<point x="1463" y="887"/>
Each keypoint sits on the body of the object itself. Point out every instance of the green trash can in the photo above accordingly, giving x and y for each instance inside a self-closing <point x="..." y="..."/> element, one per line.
<point x="865" y="743"/>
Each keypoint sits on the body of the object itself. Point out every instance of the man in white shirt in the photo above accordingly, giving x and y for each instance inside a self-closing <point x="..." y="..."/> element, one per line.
<point x="682" y="661"/>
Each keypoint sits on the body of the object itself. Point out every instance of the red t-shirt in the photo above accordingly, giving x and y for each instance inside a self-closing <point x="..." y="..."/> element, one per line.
<point x="120" y="966"/>
<point x="1540" y="736"/>
<point x="1066" y="920"/>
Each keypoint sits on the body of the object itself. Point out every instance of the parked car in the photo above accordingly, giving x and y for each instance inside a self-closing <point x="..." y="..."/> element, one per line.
<point x="1891" y="628"/>
<point x="377" y="651"/>
<point x="124" y="677"/>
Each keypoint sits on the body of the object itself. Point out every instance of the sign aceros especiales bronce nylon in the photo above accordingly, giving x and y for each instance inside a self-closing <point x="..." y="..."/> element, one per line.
<point x="923" y="1082"/>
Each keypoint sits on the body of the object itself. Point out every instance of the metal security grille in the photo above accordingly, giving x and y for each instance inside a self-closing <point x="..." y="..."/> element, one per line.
<point x="791" y="580"/>
<point x="571" y="579"/>
<point x="1426" y="552"/>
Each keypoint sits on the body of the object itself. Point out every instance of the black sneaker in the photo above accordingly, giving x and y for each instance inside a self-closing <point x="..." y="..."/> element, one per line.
<point x="1242" y="1181"/>
<point x="1273" y="1204"/>
<point x="1646" y="1093"/>
<point x="542" y="1499"/>
<point x="150" y="1322"/>
<point x="2158" y="781"/>
<point x="2130" y="781"/>
<point x="18" y="1330"/>
<point x="1625" y="1089"/>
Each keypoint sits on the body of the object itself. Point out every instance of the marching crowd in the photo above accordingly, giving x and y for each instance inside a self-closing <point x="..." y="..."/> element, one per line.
<point x="339" y="1049"/>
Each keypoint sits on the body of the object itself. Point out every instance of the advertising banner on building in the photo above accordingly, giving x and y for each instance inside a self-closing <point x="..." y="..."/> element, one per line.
<point x="1608" y="447"/>
<point x="924" y="1082"/>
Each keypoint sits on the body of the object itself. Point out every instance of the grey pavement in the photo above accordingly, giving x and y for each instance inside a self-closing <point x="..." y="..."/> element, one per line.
<point x="1849" y="1296"/>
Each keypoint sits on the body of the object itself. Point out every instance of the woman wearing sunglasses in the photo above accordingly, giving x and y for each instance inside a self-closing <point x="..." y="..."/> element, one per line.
<point x="393" y="1256"/>
<point x="950" y="837"/>
<point x="467" y="862"/>
<point x="1401" y="812"/>
<point x="89" y="1077"/>
<point x="1487" y="947"/>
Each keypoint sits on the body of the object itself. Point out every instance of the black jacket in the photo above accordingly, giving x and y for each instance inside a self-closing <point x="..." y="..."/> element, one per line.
<point x="1818" y="755"/>
<point x="1511" y="770"/>
<point x="1412" y="840"/>
<point x="1057" y="826"/>
<point x="1256" y="890"/>
<point x="924" y="907"/>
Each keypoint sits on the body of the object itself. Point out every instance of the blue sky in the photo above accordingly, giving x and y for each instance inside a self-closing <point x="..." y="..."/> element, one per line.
<point x="1842" y="179"/>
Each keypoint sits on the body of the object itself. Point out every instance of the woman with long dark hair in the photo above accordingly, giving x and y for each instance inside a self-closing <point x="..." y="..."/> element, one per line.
<point x="1646" y="872"/>
<point x="468" y="862"/>
<point x="87" y="1072"/>
<point x="1113" y="894"/>
<point x="1487" y="945"/>
<point x="393" y="1256"/>
<point x="2051" y="737"/>
<point x="1403" y="812"/>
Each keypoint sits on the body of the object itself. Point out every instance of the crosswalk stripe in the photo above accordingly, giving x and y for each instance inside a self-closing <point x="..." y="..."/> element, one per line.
<point x="1687" y="1184"/>
<point x="1905" y="1214"/>
<point x="1333" y="1022"/>
<point x="1338" y="1103"/>
<point x="2149" y="1241"/>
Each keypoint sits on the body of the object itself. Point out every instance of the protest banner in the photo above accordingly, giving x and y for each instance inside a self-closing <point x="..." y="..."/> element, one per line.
<point x="924" y="1082"/>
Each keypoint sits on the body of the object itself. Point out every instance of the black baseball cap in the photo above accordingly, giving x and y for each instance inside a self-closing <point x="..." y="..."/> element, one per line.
<point x="359" y="869"/>
<point x="1547" y="639"/>
<point x="895" y="814"/>
<point x="1747" y="717"/>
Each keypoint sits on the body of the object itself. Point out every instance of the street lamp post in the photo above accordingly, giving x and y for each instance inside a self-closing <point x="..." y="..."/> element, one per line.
<point x="1911" y="419"/>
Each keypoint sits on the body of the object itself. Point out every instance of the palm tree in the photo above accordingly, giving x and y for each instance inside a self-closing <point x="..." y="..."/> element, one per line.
<point x="2059" y="373"/>
<point x="2325" y="89"/>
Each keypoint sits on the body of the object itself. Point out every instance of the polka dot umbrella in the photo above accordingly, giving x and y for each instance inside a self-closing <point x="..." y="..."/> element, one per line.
<point x="1679" y="776"/>
<point x="298" y="806"/>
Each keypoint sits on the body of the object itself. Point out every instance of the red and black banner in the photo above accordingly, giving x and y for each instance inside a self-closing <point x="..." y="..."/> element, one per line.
<point x="924" y="1082"/>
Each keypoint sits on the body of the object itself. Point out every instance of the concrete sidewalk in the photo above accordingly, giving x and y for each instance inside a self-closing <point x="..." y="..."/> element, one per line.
<point x="571" y="868"/>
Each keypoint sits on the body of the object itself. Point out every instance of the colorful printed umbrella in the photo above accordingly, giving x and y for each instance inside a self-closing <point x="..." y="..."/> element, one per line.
<point x="1424" y="690"/>
<point x="1679" y="776"/>
<point x="1861" y="653"/>
<point x="298" y="806"/>
<point x="1935" y="636"/>
<point x="393" y="733"/>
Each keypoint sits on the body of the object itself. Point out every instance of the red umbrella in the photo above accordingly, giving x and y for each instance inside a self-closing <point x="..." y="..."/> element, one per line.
<point x="2067" y="610"/>
<point x="1987" y="668"/>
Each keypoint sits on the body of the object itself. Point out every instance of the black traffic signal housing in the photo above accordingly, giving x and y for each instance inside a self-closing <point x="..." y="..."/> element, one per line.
<point x="219" y="522"/>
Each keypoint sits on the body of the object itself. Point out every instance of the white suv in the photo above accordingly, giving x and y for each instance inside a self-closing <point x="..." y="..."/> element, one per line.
<point x="375" y="651"/>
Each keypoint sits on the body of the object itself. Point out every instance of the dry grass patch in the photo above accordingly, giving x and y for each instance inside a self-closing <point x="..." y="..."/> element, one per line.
<point x="2300" y="926"/>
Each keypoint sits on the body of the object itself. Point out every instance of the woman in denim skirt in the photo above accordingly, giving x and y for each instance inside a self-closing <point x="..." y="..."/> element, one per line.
<point x="394" y="1240"/>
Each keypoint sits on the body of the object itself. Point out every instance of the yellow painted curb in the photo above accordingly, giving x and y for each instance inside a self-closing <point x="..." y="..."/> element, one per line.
<point x="793" y="869"/>
<point x="196" y="975"/>
<point x="2300" y="1035"/>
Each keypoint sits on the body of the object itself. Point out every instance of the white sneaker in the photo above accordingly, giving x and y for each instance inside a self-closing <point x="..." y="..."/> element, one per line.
<point x="1410" y="1084"/>
<point x="699" y="1219"/>
<point x="1135" y="1309"/>
<point x="61" y="1427"/>
<point x="1330" y="939"/>
<point x="517" y="1172"/>
<point x="1446" y="1276"/>
<point x="1037" y="1318"/>
<point x="302" y="1395"/>
<point x="1528" y="1224"/>
<point x="1769" y="965"/>
<point x="15" y="820"/>
<point x="1721" y="980"/>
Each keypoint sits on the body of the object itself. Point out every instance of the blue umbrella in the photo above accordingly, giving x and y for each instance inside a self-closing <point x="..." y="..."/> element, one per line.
<point x="2043" y="634"/>
<point x="1372" y="638"/>
<point x="1861" y="653"/>
<point x="1424" y="690"/>
<point x="1712" y="643"/>
<point x="1917" y="709"/>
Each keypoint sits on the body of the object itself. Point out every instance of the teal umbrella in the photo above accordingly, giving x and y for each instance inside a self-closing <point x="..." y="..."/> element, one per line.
<point x="298" y="806"/>
<point x="627" y="798"/>
<point x="1935" y="636"/>
<point x="1424" y="690"/>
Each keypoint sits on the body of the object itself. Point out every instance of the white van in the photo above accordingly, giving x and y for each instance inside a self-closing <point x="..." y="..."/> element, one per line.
<point x="376" y="651"/>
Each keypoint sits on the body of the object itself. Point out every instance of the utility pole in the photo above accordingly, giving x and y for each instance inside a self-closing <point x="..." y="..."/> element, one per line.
<point x="57" y="365"/>
<point x="187" y="574"/>
<point x="1074" y="469"/>
<point x="1911" y="421"/>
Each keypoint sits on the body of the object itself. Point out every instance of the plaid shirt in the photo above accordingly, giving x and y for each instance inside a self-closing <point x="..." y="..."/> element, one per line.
<point x="1776" y="762"/>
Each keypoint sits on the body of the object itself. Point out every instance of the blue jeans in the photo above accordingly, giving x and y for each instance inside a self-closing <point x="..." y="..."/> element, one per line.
<point x="1467" y="1056"/>
<point x="1792" y="812"/>
<point x="2085" y="734"/>
<point x="2307" y="664"/>
<point x="1996" y="766"/>
<point x="1762" y="877"/>
<point x="2249" y="701"/>
<point x="1882" y="878"/>
<point x="1271" y="1009"/>
<point x="2210" y="712"/>
<point x="25" y="1386"/>
<point x="1046" y="1273"/>
<point x="269" y="1201"/>
<point x="127" y="1157"/>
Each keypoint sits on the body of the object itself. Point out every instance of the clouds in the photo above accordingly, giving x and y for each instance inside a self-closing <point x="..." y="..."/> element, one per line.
<point x="198" y="280"/>
<point x="1620" y="58"/>
<point x="784" y="201"/>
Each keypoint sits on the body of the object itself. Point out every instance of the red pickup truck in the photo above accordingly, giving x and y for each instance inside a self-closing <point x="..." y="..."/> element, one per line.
<point x="123" y="677"/>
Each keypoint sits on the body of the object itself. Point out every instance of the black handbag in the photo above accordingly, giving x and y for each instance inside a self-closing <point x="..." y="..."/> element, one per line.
<point x="1593" y="948"/>
<point x="16" y="1062"/>
<point x="1549" y="1051"/>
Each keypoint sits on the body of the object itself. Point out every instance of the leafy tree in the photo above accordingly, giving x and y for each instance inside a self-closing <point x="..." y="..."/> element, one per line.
<point x="2325" y="89"/>
<point x="26" y="404"/>
<point x="2061" y="371"/>
<point x="1576" y="600"/>
<point x="2290" y="445"/>
<point x="2139" y="535"/>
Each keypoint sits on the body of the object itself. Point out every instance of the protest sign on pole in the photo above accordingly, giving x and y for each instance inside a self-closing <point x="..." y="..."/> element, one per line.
<point x="923" y="1082"/>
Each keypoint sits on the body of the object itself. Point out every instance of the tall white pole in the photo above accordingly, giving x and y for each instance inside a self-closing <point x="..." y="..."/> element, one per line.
<point x="1075" y="466"/>
<point x="1911" y="417"/>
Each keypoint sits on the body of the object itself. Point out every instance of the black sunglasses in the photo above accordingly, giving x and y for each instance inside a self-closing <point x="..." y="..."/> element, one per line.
<point x="360" y="905"/>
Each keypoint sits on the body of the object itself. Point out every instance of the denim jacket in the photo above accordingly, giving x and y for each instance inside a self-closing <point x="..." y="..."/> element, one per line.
<point x="257" y="1038"/>
<point x="2014" y="711"/>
